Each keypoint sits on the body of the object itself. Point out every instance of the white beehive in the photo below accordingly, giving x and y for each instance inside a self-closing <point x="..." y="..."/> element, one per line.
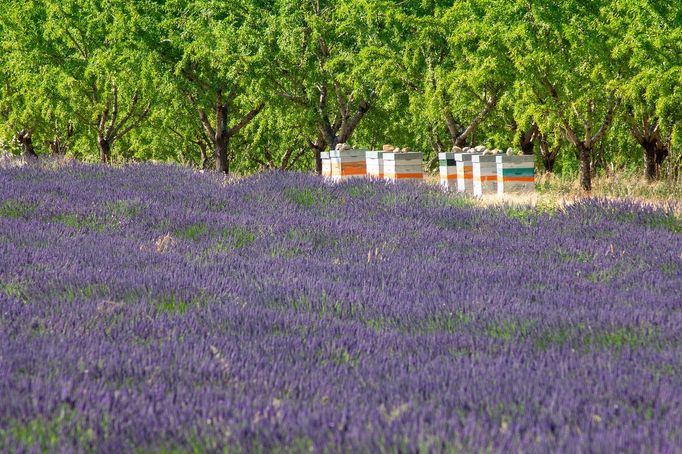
<point x="403" y="166"/>
<point x="485" y="174"/>
<point x="465" y="172"/>
<point x="326" y="165"/>
<point x="375" y="164"/>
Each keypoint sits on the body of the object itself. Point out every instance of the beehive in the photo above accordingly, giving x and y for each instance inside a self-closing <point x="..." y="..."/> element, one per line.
<point x="465" y="172"/>
<point x="375" y="164"/>
<point x="348" y="164"/>
<point x="515" y="174"/>
<point x="326" y="165"/>
<point x="448" y="170"/>
<point x="485" y="174"/>
<point x="403" y="166"/>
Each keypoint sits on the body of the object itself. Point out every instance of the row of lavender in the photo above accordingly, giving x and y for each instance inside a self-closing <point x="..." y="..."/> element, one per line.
<point x="471" y="172"/>
<point x="151" y="308"/>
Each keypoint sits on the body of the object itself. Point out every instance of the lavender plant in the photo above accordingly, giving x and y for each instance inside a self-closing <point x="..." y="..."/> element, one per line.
<point x="151" y="308"/>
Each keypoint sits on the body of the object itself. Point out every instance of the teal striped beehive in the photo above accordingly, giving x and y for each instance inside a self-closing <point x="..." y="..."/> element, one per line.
<point x="515" y="174"/>
<point x="448" y="170"/>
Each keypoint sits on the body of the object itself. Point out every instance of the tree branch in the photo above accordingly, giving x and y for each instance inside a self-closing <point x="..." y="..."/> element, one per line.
<point x="129" y="114"/>
<point x="489" y="106"/>
<point x="114" y="112"/>
<point x="245" y="120"/>
<point x="607" y="122"/>
<point x="206" y="123"/>
<point x="137" y="123"/>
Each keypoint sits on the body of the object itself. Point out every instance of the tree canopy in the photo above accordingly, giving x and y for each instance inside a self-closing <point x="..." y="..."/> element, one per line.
<point x="250" y="84"/>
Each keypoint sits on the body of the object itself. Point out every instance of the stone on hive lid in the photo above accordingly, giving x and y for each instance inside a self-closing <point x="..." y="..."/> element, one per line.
<point x="480" y="149"/>
<point x="488" y="153"/>
<point x="466" y="149"/>
<point x="343" y="147"/>
<point x="510" y="151"/>
<point x="388" y="147"/>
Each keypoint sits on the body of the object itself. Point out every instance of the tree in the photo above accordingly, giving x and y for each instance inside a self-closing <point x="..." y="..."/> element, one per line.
<point x="216" y="54"/>
<point x="22" y="93"/>
<point x="646" y="38"/>
<point x="563" y="58"/>
<point x="452" y="62"/>
<point x="318" y="49"/>
<point x="104" y="80"/>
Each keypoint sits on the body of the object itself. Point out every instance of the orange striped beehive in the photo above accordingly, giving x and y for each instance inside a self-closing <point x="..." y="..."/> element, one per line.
<point x="465" y="172"/>
<point x="403" y="166"/>
<point x="485" y="174"/>
<point x="348" y="164"/>
<point x="515" y="174"/>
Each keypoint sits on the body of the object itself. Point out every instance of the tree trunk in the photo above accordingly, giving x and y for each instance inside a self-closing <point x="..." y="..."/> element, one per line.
<point x="585" y="155"/>
<point x="222" y="163"/>
<point x="662" y="152"/>
<point x="528" y="148"/>
<point x="204" y="156"/>
<point x="549" y="156"/>
<point x="318" y="161"/>
<point x="104" y="150"/>
<point x="651" y="171"/>
<point x="527" y="140"/>
<point x="57" y="148"/>
<point x="548" y="161"/>
<point x="26" y="141"/>
<point x="655" y="154"/>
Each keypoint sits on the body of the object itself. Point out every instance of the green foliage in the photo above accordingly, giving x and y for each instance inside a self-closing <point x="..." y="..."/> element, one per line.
<point x="308" y="198"/>
<point x="192" y="232"/>
<point x="45" y="434"/>
<point x="164" y="80"/>
<point x="16" y="209"/>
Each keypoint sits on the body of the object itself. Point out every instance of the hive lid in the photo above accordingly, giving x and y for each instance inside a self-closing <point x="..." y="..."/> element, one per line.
<point x="349" y="153"/>
<point x="530" y="159"/>
<point x="411" y="156"/>
<point x="464" y="157"/>
<point x="484" y="158"/>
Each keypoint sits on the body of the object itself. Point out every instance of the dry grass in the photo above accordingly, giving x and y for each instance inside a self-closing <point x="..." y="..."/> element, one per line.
<point x="553" y="191"/>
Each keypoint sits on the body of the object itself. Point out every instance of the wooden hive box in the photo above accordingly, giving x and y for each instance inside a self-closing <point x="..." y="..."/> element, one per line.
<point x="485" y="174"/>
<point x="515" y="174"/>
<point x="326" y="165"/>
<point x="375" y="164"/>
<point x="403" y="166"/>
<point x="348" y="164"/>
<point x="448" y="170"/>
<point x="465" y="172"/>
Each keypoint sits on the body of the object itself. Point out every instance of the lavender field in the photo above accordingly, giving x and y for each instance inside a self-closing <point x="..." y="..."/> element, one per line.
<point x="152" y="308"/>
